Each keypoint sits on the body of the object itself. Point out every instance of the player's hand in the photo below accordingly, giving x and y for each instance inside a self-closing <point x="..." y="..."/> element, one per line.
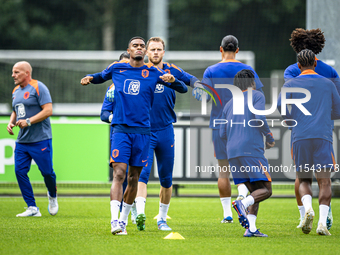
<point x="86" y="80"/>
<point x="21" y="123"/>
<point x="167" y="77"/>
<point x="110" y="94"/>
<point x="10" y="127"/>
<point x="270" y="145"/>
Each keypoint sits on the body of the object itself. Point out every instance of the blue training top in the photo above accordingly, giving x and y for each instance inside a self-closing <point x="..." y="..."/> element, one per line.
<point x="246" y="139"/>
<point x="224" y="73"/>
<point x="324" y="105"/>
<point x="162" y="112"/>
<point x="321" y="68"/>
<point x="26" y="103"/>
<point x="134" y="93"/>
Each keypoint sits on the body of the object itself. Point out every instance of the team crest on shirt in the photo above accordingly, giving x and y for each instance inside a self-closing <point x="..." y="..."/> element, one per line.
<point x="159" y="88"/>
<point x="20" y="110"/>
<point x="26" y="95"/>
<point x="131" y="87"/>
<point x="145" y="73"/>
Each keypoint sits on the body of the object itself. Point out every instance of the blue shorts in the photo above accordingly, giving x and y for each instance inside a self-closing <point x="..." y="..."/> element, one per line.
<point x="220" y="145"/>
<point x="313" y="154"/>
<point x="249" y="169"/>
<point x="162" y="142"/>
<point x="131" y="149"/>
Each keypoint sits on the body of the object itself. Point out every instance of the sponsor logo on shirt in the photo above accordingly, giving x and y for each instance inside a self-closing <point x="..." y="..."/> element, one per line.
<point x="20" y="110"/>
<point x="131" y="87"/>
<point x="159" y="88"/>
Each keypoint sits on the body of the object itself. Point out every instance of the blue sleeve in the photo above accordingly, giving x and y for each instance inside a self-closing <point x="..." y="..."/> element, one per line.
<point x="260" y="89"/>
<point x="44" y="96"/>
<point x="106" y="111"/>
<point x="335" y="104"/>
<point x="187" y="78"/>
<point x="291" y="71"/>
<point x="259" y="104"/>
<point x="336" y="80"/>
<point x="104" y="116"/>
<point x="258" y="82"/>
<point x="103" y="76"/>
<point x="279" y="103"/>
<point x="288" y="74"/>
<point x="177" y="85"/>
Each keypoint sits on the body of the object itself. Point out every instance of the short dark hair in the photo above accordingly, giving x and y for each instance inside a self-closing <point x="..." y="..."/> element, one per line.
<point x="124" y="55"/>
<point x="312" y="39"/>
<point x="244" y="79"/>
<point x="229" y="43"/>
<point x="306" y="58"/>
<point x="135" y="37"/>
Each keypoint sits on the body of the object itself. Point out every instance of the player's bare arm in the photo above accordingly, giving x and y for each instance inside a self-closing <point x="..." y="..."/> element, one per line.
<point x="167" y="78"/>
<point x="11" y="123"/>
<point x="86" y="80"/>
<point x="270" y="145"/>
<point x="43" y="114"/>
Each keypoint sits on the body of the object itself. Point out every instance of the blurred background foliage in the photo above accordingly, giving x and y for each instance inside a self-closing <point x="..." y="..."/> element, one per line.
<point x="262" y="26"/>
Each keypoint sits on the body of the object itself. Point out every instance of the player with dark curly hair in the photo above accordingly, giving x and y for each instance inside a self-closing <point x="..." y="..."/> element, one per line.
<point x="313" y="40"/>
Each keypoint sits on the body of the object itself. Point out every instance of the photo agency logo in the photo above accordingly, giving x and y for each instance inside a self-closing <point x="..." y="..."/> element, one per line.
<point x="239" y="105"/>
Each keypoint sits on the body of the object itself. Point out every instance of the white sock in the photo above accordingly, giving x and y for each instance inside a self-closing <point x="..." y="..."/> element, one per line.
<point x="163" y="211"/>
<point x="125" y="212"/>
<point x="248" y="201"/>
<point x="226" y="205"/>
<point x="242" y="190"/>
<point x="114" y="205"/>
<point x="140" y="205"/>
<point x="302" y="211"/>
<point x="323" y="212"/>
<point x="252" y="222"/>
<point x="307" y="202"/>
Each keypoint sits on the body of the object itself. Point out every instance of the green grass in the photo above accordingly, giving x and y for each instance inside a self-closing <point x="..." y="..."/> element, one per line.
<point x="82" y="226"/>
<point x="153" y="189"/>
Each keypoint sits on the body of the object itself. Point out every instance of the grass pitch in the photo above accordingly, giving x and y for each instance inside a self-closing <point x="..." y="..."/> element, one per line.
<point x="82" y="226"/>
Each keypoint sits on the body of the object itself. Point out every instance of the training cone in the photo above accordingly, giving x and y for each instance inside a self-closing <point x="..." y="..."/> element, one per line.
<point x="174" y="235"/>
<point x="167" y="217"/>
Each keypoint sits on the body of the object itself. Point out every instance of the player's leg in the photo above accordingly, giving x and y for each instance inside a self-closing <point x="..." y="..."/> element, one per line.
<point x="144" y="178"/>
<point x="119" y="159"/>
<point x="165" y="154"/>
<point x="129" y="195"/>
<point x="224" y="189"/>
<point x="223" y="182"/>
<point x="138" y="160"/>
<point x="298" y="201"/>
<point x="42" y="152"/>
<point x="22" y="166"/>
<point x="325" y="194"/>
<point x="242" y="191"/>
<point x="323" y="156"/>
<point x="124" y="188"/>
<point x="303" y="157"/>
<point x="259" y="186"/>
